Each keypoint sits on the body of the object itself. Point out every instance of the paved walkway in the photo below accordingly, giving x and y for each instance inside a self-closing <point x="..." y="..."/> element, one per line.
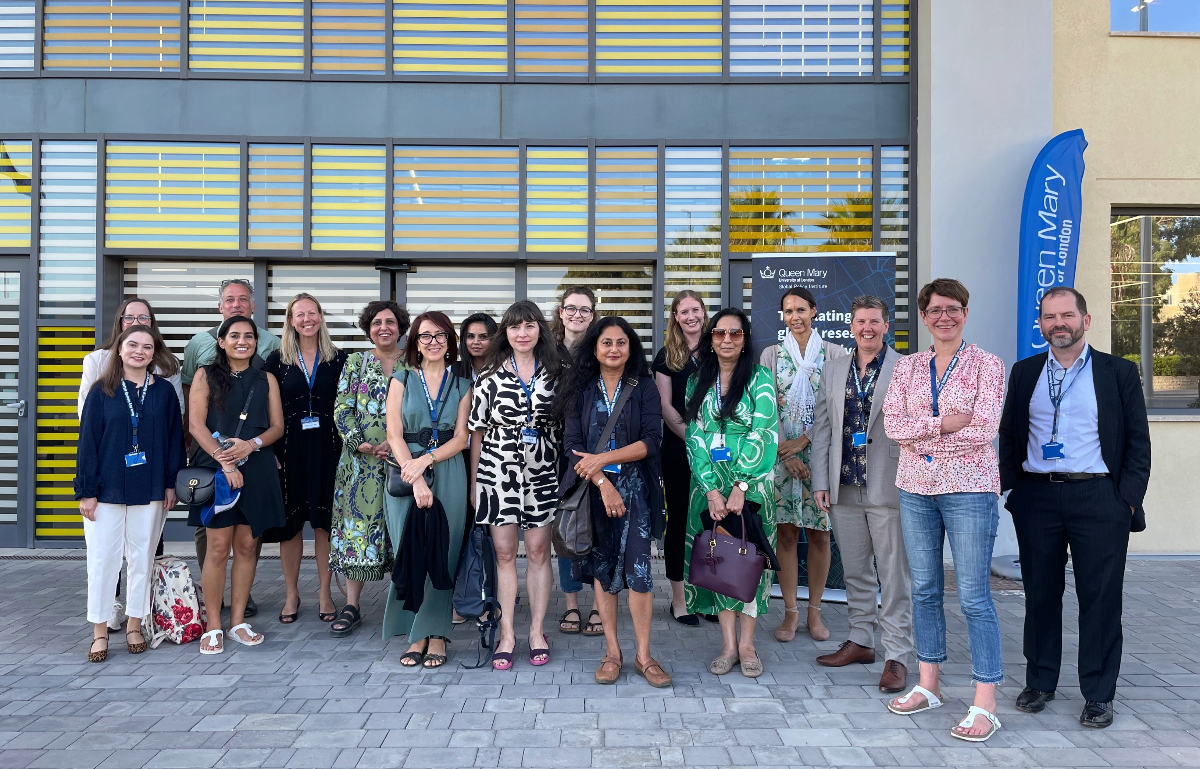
<point x="303" y="699"/>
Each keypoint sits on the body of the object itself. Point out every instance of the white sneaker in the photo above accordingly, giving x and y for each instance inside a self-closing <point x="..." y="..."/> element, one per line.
<point x="118" y="616"/>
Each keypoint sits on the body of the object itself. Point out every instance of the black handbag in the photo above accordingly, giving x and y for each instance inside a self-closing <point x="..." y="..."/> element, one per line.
<point x="572" y="532"/>
<point x="396" y="485"/>
<point x="196" y="485"/>
<point x="475" y="590"/>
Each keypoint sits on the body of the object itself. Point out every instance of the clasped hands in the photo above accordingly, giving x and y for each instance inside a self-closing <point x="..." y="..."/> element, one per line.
<point x="789" y="455"/>
<point x="719" y="505"/>
<point x="590" y="467"/>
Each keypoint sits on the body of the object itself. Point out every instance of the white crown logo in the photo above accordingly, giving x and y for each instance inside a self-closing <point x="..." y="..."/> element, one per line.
<point x="767" y="273"/>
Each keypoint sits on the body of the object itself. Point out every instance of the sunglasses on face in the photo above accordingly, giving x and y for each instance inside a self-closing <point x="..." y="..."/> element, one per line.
<point x="728" y="333"/>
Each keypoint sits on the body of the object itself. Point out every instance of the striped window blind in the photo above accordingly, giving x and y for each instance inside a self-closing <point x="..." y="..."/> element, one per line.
<point x="61" y="350"/>
<point x="16" y="35"/>
<point x="796" y="40"/>
<point x="111" y="35"/>
<point x="462" y="199"/>
<point x="185" y="295"/>
<point x="349" y="37"/>
<point x="552" y="37"/>
<point x="447" y="37"/>
<point x="675" y="37"/>
<point x="16" y="192"/>
<point x="624" y="290"/>
<point x="276" y="196"/>
<point x="893" y="215"/>
<point x="556" y="199"/>
<point x="171" y="195"/>
<point x="67" y="235"/>
<point x="343" y="290"/>
<point x="895" y="39"/>
<point x="693" y="224"/>
<point x="246" y="35"/>
<point x="460" y="290"/>
<point x="349" y="193"/>
<point x="10" y="353"/>
<point x="800" y="199"/>
<point x="626" y="199"/>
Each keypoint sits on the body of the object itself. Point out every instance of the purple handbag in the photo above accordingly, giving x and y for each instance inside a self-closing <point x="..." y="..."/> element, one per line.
<point x="726" y="566"/>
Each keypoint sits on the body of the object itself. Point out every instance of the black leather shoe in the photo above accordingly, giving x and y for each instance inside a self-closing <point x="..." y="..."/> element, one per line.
<point x="251" y="608"/>
<point x="1097" y="715"/>
<point x="1033" y="701"/>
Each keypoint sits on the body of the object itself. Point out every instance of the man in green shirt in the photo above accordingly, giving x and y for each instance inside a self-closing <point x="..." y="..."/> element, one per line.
<point x="237" y="298"/>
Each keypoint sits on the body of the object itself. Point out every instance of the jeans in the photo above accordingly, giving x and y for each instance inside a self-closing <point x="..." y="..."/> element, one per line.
<point x="568" y="583"/>
<point x="969" y="520"/>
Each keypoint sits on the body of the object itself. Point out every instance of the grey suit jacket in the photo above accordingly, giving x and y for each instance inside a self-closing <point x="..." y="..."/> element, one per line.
<point x="883" y="454"/>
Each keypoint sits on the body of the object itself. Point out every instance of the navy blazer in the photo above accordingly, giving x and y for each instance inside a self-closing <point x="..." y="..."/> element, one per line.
<point x="105" y="437"/>
<point x="1124" y="429"/>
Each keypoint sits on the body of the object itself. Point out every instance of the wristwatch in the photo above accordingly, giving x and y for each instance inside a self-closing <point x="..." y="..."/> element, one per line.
<point x="743" y="486"/>
<point x="257" y="443"/>
<point x="432" y="458"/>
<point x="600" y="481"/>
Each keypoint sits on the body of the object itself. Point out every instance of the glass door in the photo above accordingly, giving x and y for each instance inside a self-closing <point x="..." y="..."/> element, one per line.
<point x="15" y="425"/>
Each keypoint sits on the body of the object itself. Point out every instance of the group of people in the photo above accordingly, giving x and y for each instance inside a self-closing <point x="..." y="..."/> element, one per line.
<point x="392" y="454"/>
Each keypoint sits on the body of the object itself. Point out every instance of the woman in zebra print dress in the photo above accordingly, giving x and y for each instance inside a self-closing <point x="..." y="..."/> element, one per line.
<point x="514" y="450"/>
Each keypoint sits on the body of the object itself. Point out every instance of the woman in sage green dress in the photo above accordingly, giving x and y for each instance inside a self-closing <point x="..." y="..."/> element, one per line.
<point x="419" y="444"/>
<point x="732" y="435"/>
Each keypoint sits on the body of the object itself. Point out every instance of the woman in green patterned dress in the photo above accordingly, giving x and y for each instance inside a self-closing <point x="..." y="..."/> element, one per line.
<point x="360" y="548"/>
<point x="731" y="442"/>
<point x="796" y="366"/>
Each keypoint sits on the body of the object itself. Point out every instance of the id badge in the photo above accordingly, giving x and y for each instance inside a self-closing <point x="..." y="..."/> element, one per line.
<point x="310" y="423"/>
<point x="135" y="458"/>
<point x="612" y="469"/>
<point x="529" y="436"/>
<point x="1053" y="450"/>
<point x="858" y="439"/>
<point x="720" y="452"/>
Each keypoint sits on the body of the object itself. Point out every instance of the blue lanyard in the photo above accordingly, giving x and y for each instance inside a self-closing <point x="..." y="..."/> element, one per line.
<point x="862" y="391"/>
<point x="311" y="378"/>
<point x="935" y="386"/>
<point x="610" y="404"/>
<point x="717" y="393"/>
<point x="528" y="389"/>
<point x="1062" y="395"/>
<point x="433" y="404"/>
<point x="135" y="416"/>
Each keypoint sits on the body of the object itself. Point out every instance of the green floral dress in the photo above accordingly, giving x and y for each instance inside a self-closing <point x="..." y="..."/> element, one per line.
<point x="795" y="497"/>
<point x="359" y="544"/>
<point x="752" y="437"/>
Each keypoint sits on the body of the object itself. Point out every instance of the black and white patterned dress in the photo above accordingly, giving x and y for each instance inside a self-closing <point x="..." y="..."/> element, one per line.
<point x="516" y="482"/>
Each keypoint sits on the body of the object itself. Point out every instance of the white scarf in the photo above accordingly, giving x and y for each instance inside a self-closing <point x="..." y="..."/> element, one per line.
<point x="799" y="408"/>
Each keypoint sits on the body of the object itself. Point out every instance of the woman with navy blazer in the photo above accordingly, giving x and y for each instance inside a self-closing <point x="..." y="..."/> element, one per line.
<point x="130" y="451"/>
<point x="625" y="482"/>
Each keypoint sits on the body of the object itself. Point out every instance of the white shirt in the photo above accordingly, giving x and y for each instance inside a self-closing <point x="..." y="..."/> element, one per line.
<point x="93" y="368"/>
<point x="1078" y="419"/>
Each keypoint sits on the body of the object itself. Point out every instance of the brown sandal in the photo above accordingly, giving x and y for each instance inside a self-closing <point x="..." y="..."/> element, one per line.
<point x="609" y="670"/>
<point x="101" y="655"/>
<point x="593" y="628"/>
<point x="659" y="679"/>
<point x="135" y="648"/>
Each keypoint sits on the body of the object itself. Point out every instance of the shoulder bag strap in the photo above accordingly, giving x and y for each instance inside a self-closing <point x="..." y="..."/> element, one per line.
<point x="611" y="424"/>
<point x="246" y="409"/>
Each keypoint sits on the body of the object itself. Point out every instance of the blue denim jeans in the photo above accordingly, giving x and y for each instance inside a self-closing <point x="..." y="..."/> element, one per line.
<point x="969" y="521"/>
<point x="565" y="581"/>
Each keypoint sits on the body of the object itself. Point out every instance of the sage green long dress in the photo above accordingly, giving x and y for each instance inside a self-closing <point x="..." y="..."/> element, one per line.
<point x="752" y="437"/>
<point x="450" y="487"/>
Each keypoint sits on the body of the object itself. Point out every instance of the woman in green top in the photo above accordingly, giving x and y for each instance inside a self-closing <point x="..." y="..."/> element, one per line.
<point x="732" y="435"/>
<point x="420" y="442"/>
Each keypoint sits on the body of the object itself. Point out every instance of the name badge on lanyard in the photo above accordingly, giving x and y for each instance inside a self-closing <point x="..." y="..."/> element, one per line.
<point x="529" y="433"/>
<point x="310" y="422"/>
<point x="135" y="457"/>
<point x="859" y="439"/>
<point x="1054" y="449"/>
<point x="433" y="405"/>
<point x="611" y="404"/>
<point x="936" y="386"/>
<point x="719" y="451"/>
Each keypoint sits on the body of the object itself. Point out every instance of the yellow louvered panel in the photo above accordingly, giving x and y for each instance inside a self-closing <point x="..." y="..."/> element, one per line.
<point x="552" y="37"/>
<point x="60" y="363"/>
<point x="894" y="37"/>
<point x="246" y="35"/>
<point x="666" y="37"/>
<point x="349" y="37"/>
<point x="459" y="199"/>
<point x="16" y="35"/>
<point x="626" y="199"/>
<point x="556" y="199"/>
<point x="276" y="200"/>
<point x="16" y="191"/>
<point x="800" y="199"/>
<point x="111" y="35"/>
<point x="171" y="195"/>
<point x="449" y="37"/>
<point x="349" y="196"/>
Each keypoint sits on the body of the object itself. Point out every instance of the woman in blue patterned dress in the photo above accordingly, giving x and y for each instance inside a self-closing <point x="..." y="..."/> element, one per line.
<point x="360" y="548"/>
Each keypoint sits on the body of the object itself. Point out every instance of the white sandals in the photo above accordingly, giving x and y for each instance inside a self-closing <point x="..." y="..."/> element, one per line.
<point x="218" y="636"/>
<point x="233" y="633"/>
<point x="969" y="721"/>
<point x="931" y="702"/>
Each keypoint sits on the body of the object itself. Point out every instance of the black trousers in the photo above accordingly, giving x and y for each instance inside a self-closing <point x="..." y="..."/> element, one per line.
<point x="677" y="483"/>
<point x="1091" y="519"/>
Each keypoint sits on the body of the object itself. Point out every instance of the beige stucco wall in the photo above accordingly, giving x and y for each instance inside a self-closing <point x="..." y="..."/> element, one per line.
<point x="1139" y="111"/>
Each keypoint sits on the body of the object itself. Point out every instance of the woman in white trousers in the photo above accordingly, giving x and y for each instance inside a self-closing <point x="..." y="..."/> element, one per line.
<point x="130" y="452"/>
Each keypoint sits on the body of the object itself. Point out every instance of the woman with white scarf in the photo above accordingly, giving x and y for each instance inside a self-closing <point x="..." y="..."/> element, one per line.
<point x="797" y="364"/>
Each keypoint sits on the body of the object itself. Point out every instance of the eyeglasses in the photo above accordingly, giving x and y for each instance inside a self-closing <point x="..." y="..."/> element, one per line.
<point x="728" y="333"/>
<point x="949" y="312"/>
<point x="441" y="336"/>
<point x="140" y="319"/>
<point x="571" y="311"/>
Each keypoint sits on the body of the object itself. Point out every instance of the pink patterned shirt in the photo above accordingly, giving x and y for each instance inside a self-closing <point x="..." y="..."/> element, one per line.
<point x="963" y="461"/>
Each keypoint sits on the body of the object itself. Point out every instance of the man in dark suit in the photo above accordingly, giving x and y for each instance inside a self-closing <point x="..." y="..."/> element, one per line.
<point x="1075" y="451"/>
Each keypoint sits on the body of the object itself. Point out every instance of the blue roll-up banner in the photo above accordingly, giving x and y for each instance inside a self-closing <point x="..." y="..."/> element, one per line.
<point x="1049" y="232"/>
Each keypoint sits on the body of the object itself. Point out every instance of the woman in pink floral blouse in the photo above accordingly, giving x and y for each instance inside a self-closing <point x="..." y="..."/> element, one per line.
<point x="943" y="408"/>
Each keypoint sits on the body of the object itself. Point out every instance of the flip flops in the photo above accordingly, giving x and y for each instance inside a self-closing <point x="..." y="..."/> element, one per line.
<point x="969" y="721"/>
<point x="246" y="626"/>
<point x="218" y="636"/>
<point x="931" y="702"/>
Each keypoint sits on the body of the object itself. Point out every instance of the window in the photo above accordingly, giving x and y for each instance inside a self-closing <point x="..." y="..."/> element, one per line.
<point x="442" y="287"/>
<point x="349" y="189"/>
<point x="16" y="35"/>
<point x="893" y="228"/>
<point x="343" y="290"/>
<point x="556" y="199"/>
<point x="67" y="238"/>
<point x="1155" y="15"/>
<point x="894" y="37"/>
<point x="275" y="217"/>
<point x="1156" y="304"/>
<point x="552" y="37"/>
<point x="348" y="37"/>
<point x="16" y="192"/>
<point x="625" y="290"/>
<point x="772" y="40"/>
<point x="677" y="38"/>
<point x="626" y="198"/>
<point x="450" y="37"/>
<point x="185" y="295"/>
<point x="693" y="225"/>
<point x="246" y="35"/>
<point x="111" y="35"/>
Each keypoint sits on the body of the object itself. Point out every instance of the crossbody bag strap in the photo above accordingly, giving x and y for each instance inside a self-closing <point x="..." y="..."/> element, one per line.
<point x="611" y="424"/>
<point x="245" y="409"/>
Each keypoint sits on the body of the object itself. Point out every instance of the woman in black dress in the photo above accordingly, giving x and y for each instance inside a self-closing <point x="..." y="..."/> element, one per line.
<point x="307" y="366"/>
<point x="225" y="394"/>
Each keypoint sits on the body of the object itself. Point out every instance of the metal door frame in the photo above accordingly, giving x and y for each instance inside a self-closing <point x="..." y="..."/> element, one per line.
<point x="21" y="533"/>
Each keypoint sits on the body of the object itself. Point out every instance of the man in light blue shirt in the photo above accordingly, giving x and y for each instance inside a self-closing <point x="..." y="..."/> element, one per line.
<point x="1075" y="437"/>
